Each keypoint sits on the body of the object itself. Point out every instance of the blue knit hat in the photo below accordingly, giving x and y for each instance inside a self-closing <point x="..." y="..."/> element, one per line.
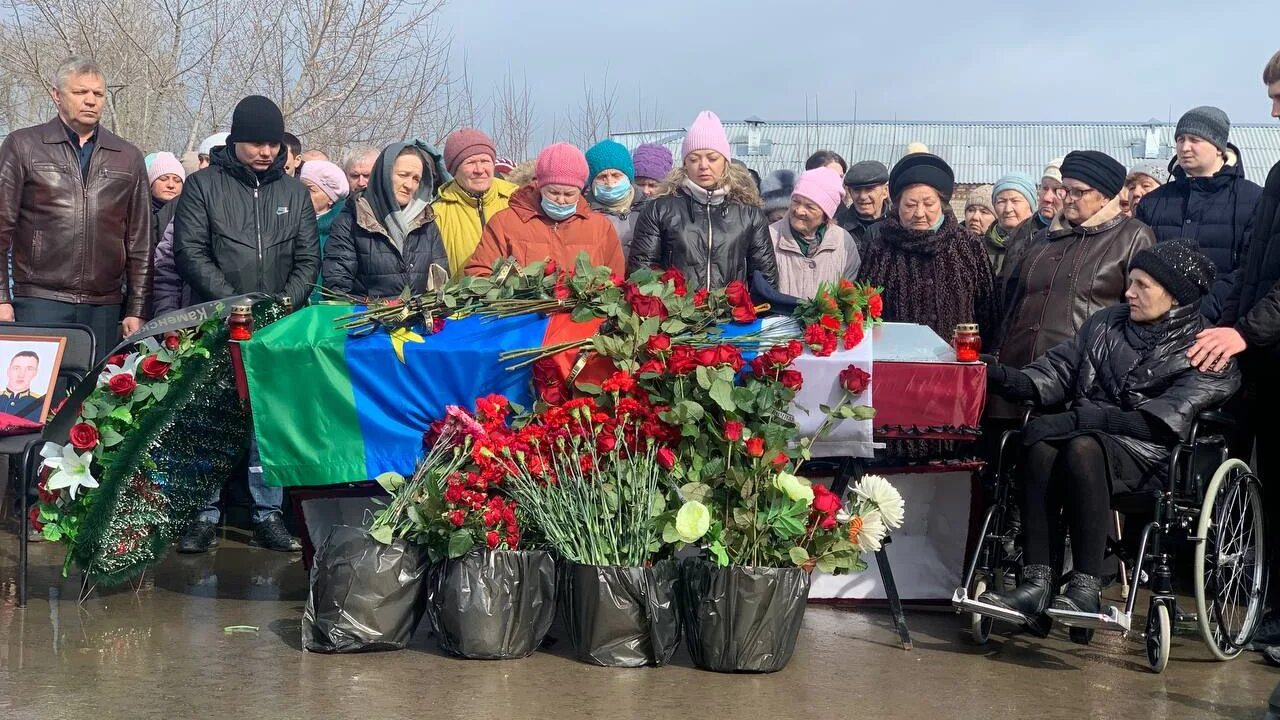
<point x="1019" y="181"/>
<point x="609" y="155"/>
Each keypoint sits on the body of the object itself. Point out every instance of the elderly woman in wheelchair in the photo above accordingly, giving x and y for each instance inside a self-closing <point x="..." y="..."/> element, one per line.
<point x="1131" y="395"/>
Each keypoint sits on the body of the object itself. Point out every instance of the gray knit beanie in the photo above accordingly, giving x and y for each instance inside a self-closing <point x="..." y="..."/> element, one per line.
<point x="1205" y="122"/>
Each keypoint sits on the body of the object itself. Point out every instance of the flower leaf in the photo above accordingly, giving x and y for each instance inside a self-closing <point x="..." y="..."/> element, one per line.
<point x="390" y="481"/>
<point x="159" y="391"/>
<point x="110" y="437"/>
<point x="460" y="543"/>
<point x="121" y="413"/>
<point x="798" y="555"/>
<point x="381" y="534"/>
<point x="722" y="393"/>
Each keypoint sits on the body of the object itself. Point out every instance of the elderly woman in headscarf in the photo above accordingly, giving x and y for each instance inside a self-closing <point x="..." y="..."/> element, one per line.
<point x="934" y="272"/>
<point x="706" y="220"/>
<point x="1014" y="199"/>
<point x="1131" y="393"/>
<point x="385" y="239"/>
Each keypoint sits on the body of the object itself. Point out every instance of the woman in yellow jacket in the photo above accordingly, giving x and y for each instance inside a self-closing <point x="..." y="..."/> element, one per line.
<point x="474" y="195"/>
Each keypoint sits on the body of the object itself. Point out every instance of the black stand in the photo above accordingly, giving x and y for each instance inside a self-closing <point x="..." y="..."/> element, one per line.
<point x="850" y="469"/>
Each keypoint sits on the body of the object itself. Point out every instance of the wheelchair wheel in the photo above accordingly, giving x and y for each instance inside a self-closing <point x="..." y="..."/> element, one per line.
<point x="1159" y="636"/>
<point x="1230" y="560"/>
<point x="979" y="625"/>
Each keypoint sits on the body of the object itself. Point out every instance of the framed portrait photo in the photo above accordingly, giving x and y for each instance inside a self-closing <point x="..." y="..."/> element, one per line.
<point x="30" y="371"/>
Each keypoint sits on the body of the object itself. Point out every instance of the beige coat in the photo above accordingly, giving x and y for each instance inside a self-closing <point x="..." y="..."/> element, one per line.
<point x="798" y="274"/>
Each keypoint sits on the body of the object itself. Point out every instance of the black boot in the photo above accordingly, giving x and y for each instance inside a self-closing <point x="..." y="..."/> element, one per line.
<point x="1083" y="594"/>
<point x="273" y="535"/>
<point x="1031" y="598"/>
<point x="200" y="537"/>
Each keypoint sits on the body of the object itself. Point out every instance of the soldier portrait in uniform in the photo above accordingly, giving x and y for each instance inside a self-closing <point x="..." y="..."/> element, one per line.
<point x="30" y="370"/>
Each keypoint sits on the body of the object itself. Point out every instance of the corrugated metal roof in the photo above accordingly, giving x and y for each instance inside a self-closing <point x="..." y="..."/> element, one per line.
<point x="979" y="152"/>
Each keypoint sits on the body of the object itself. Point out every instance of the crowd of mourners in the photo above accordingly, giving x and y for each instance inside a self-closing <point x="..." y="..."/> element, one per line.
<point x="1120" y="301"/>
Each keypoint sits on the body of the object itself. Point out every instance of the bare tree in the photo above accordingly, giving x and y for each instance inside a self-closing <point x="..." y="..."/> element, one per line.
<point x="512" y="120"/>
<point x="645" y="118"/>
<point x="344" y="72"/>
<point x="595" y="116"/>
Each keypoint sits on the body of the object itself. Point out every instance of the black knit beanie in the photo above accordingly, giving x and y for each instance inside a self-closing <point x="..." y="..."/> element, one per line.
<point x="1179" y="267"/>
<point x="256" y="119"/>
<point x="1096" y="169"/>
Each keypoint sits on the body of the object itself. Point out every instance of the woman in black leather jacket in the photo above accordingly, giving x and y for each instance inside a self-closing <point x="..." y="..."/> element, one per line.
<point x="1132" y="394"/>
<point x="706" y="220"/>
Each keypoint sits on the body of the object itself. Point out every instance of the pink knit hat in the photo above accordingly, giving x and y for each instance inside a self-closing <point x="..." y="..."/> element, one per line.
<point x="706" y="133"/>
<point x="561" y="164"/>
<point x="463" y="144"/>
<point x="823" y="186"/>
<point x="164" y="163"/>
<point x="330" y="178"/>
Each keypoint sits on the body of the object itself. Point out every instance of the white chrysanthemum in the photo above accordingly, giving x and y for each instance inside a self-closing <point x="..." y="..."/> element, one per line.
<point x="69" y="470"/>
<point x="871" y="531"/>
<point x="885" y="497"/>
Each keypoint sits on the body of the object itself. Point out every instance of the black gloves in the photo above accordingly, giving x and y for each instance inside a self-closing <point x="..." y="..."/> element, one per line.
<point x="1008" y="382"/>
<point x="1046" y="427"/>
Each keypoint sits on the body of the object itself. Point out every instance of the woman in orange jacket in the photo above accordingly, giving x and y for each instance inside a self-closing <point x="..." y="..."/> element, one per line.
<point x="550" y="219"/>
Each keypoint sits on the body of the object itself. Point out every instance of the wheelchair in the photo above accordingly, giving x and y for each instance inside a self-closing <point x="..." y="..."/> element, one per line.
<point x="1213" y="503"/>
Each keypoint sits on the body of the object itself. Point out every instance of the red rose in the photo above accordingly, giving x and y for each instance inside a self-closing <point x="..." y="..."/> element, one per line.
<point x="84" y="436"/>
<point x="791" y="379"/>
<point x="458" y="517"/>
<point x="729" y="355"/>
<point x="854" y="380"/>
<point x="676" y="278"/>
<point x="780" y="460"/>
<point x="117" y="360"/>
<point x="46" y="495"/>
<point x="829" y="522"/>
<point x="492" y="539"/>
<point x="755" y="447"/>
<point x="737" y="293"/>
<point x="644" y="305"/>
<point x="666" y="458"/>
<point x="153" y="367"/>
<point x="122" y="384"/>
<point x="706" y="356"/>
<point x="172" y="342"/>
<point x="732" y="430"/>
<point x="825" y="501"/>
<point x="744" y="314"/>
<point x="561" y="290"/>
<point x="437" y="324"/>
<point x="650" y="366"/>
<point x="700" y="298"/>
<point x="852" y="336"/>
<point x="550" y="269"/>
<point x="617" y="281"/>
<point x="682" y="360"/>
<point x="658" y="343"/>
<point x="453" y="494"/>
<point x="34" y="516"/>
<point x="875" y="305"/>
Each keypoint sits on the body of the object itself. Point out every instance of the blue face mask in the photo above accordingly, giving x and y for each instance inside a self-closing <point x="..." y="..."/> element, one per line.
<point x="556" y="211"/>
<point x="612" y="194"/>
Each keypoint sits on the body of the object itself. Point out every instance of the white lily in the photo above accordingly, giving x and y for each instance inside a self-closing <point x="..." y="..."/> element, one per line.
<point x="130" y="367"/>
<point x="884" y="496"/>
<point x="69" y="470"/>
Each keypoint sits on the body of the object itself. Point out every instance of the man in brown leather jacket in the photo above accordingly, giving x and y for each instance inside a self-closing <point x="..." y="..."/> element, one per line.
<point x="75" y="216"/>
<point x="1075" y="267"/>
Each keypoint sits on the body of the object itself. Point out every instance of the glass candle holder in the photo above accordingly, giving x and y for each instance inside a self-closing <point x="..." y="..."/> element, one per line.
<point x="967" y="343"/>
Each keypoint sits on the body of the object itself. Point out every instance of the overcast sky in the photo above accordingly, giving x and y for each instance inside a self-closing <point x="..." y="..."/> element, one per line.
<point x="903" y="59"/>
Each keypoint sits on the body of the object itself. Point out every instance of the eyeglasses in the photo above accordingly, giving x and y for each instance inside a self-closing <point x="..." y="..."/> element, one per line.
<point x="1073" y="193"/>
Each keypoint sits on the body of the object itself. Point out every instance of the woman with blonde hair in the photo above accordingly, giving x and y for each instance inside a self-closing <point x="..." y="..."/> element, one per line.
<point x="705" y="219"/>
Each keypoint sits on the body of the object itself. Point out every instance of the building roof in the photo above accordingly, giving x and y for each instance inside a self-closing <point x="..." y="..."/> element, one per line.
<point x="979" y="152"/>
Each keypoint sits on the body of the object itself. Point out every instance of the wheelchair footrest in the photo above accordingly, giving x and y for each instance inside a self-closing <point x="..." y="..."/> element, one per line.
<point x="1112" y="619"/>
<point x="963" y="603"/>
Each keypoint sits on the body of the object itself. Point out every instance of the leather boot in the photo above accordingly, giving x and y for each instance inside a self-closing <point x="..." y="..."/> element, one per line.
<point x="1031" y="598"/>
<point x="1082" y="594"/>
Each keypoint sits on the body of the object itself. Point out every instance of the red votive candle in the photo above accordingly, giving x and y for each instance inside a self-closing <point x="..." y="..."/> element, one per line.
<point x="240" y="322"/>
<point x="967" y="342"/>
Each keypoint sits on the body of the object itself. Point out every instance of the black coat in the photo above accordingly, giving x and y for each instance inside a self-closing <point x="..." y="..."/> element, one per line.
<point x="711" y="244"/>
<point x="236" y="232"/>
<point x="855" y="225"/>
<point x="1216" y="212"/>
<point x="1106" y="366"/>
<point x="360" y="259"/>
<point x="1257" y="296"/>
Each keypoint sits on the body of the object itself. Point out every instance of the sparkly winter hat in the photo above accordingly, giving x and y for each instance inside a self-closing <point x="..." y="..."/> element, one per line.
<point x="1179" y="267"/>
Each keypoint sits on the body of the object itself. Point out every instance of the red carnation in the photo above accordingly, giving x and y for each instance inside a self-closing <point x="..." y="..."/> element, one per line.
<point x="453" y="494"/>
<point x="619" y="382"/>
<point x="153" y="367"/>
<point x="172" y="342"/>
<point x="658" y="343"/>
<point x="84" y="436"/>
<point x="676" y="278"/>
<point x="122" y="384"/>
<point x="492" y="539"/>
<point x="458" y="517"/>
<point x="875" y="305"/>
<point x="666" y="458"/>
<point x="755" y="447"/>
<point x="682" y="360"/>
<point x="700" y="298"/>
<point x="791" y="379"/>
<point x="852" y="336"/>
<point x="732" y="430"/>
<point x="854" y="380"/>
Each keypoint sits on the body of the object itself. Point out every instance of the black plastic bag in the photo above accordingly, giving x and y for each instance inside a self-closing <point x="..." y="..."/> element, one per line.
<point x="364" y="595"/>
<point x="492" y="605"/>
<point x="620" y="616"/>
<point x="741" y="619"/>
